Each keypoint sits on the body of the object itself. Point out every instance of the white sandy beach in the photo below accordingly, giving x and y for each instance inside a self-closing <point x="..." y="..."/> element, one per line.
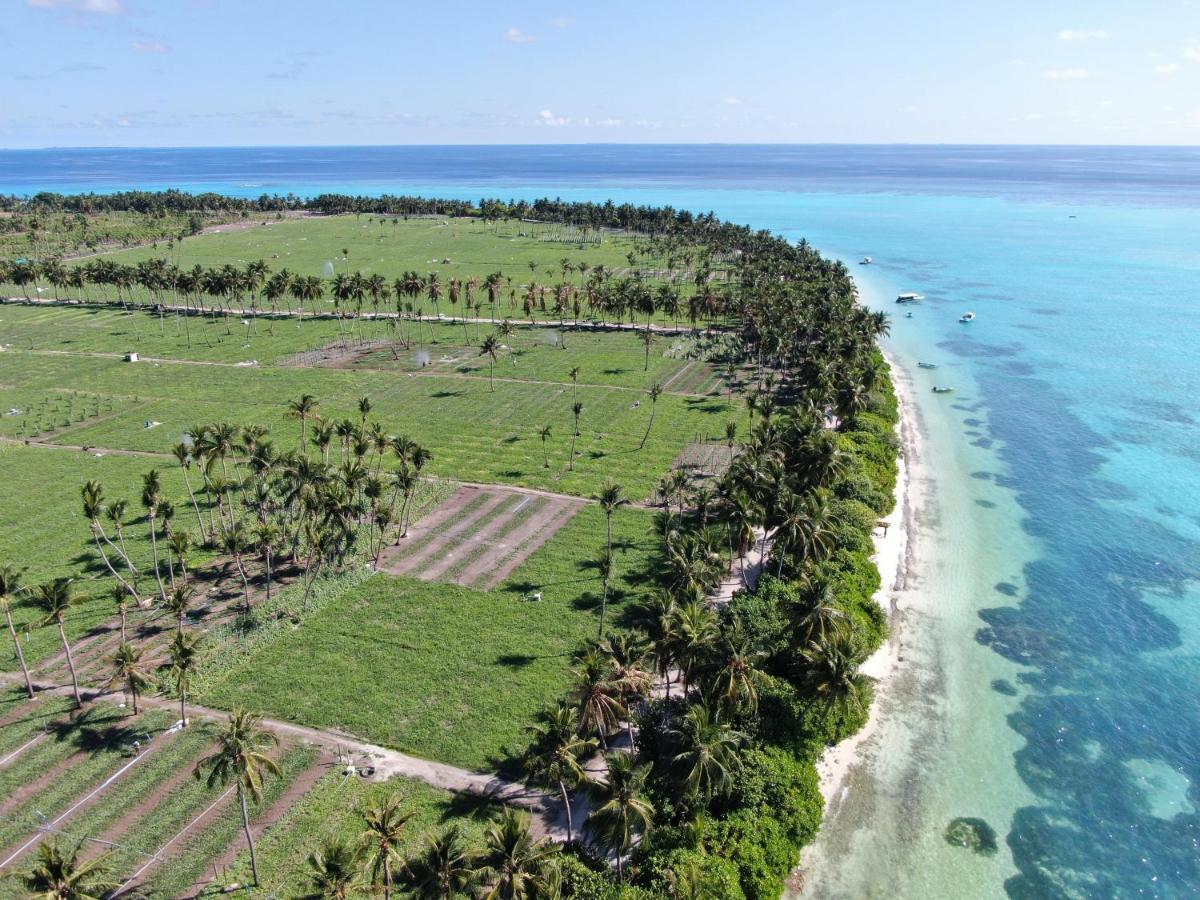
<point x="893" y="554"/>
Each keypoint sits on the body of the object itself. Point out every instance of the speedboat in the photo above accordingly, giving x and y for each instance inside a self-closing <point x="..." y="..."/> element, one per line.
<point x="925" y="365"/>
<point x="908" y="315"/>
<point x="909" y="298"/>
<point x="943" y="390"/>
<point x="967" y="317"/>
<point x="865" y="261"/>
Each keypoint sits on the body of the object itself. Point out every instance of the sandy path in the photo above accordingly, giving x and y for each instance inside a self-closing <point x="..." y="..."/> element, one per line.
<point x="494" y="567"/>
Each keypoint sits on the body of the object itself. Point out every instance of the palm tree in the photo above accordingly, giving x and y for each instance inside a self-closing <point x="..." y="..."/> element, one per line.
<point x="301" y="409"/>
<point x="151" y="494"/>
<point x="443" y="869"/>
<point x="236" y="542"/>
<point x="647" y="339"/>
<point x="127" y="669"/>
<point x="183" y="453"/>
<point x="695" y="634"/>
<point x="544" y="434"/>
<point x="708" y="757"/>
<point x="600" y="707"/>
<point x="240" y="758"/>
<point x="10" y="589"/>
<point x="93" y="507"/>
<point x="828" y="668"/>
<point x="555" y="756"/>
<point x="336" y="869"/>
<point x="626" y="656"/>
<point x="610" y="499"/>
<point x="381" y="840"/>
<point x="731" y="438"/>
<point x="185" y="654"/>
<point x="735" y="674"/>
<point x="512" y="861"/>
<point x="805" y="528"/>
<point x="488" y="348"/>
<point x="577" y="409"/>
<point x="621" y="810"/>
<point x="268" y="536"/>
<point x="59" y="874"/>
<point x="178" y="603"/>
<point x="655" y="392"/>
<point x="55" y="599"/>
<point x="574" y="373"/>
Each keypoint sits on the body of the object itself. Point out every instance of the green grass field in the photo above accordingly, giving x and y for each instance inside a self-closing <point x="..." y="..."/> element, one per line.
<point x="443" y="671"/>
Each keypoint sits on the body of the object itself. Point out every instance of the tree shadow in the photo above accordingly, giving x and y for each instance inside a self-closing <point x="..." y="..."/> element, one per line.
<point x="443" y="394"/>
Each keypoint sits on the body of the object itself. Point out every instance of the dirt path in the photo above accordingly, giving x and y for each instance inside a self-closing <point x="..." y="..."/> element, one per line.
<point x="299" y="786"/>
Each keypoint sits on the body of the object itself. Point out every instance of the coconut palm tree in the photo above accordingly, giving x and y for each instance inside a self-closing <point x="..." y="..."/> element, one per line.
<point x="611" y="498"/>
<point x="621" y="810"/>
<point x="805" y="528"/>
<point x="828" y="669"/>
<point x="647" y="339"/>
<point x="488" y="348"/>
<point x="127" y="670"/>
<point x="708" y="758"/>
<point x="236" y="542"/>
<point x="59" y="874"/>
<point x="444" y="868"/>
<point x="736" y="674"/>
<point x="93" y="508"/>
<point x="185" y="655"/>
<point x="577" y="410"/>
<point x="382" y="841"/>
<point x="556" y="754"/>
<point x="241" y="758"/>
<point x="54" y="600"/>
<point x="696" y="631"/>
<point x="179" y="602"/>
<point x="335" y="869"/>
<point x="183" y="454"/>
<point x="267" y="538"/>
<point x="627" y="658"/>
<point x="655" y="392"/>
<point x="544" y="434"/>
<point x="302" y="408"/>
<point x="10" y="589"/>
<point x="595" y="696"/>
<point x="151" y="494"/>
<point x="513" y="863"/>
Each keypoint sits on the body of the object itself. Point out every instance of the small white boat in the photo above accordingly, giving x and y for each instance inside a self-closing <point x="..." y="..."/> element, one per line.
<point x="865" y="261"/>
<point x="967" y="317"/>
<point x="910" y="298"/>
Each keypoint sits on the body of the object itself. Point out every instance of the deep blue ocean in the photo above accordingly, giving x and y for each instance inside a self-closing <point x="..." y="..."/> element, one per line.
<point x="1053" y="690"/>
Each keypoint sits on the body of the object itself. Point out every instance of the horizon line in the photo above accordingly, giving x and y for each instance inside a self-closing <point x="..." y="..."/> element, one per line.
<point x="949" y="144"/>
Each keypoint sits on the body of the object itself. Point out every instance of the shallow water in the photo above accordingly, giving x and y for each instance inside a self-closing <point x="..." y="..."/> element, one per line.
<point x="1048" y="685"/>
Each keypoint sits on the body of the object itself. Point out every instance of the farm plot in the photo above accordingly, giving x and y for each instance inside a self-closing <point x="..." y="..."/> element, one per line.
<point x="479" y="535"/>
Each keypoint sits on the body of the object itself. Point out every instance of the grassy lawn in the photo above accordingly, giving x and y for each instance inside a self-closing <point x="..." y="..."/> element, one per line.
<point x="475" y="434"/>
<point x="439" y="670"/>
<point x="334" y="808"/>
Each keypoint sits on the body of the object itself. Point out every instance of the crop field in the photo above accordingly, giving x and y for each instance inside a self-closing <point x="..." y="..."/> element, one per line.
<point x="448" y="651"/>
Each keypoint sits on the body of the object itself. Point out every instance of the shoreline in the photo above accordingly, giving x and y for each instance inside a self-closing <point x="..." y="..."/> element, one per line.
<point x="893" y="557"/>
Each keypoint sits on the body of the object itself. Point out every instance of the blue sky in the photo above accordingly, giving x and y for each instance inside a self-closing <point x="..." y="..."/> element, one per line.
<point x="240" y="72"/>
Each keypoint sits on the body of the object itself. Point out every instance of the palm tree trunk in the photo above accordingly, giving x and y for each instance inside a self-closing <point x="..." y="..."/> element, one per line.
<point x="245" y="581"/>
<point x="249" y="837"/>
<point x="195" y="505"/>
<point x="62" y="633"/>
<point x="183" y="707"/>
<point x="104" y="556"/>
<point x="20" y="655"/>
<point x="562" y="786"/>
<point x="162" y="593"/>
<point x="269" y="574"/>
<point x="649" y="425"/>
<point x="134" y="694"/>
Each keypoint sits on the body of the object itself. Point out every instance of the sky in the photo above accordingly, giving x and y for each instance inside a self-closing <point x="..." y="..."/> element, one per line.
<point x="338" y="72"/>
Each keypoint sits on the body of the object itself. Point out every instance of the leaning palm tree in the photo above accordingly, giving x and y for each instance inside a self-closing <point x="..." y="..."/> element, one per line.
<point x="127" y="670"/>
<point x="598" y="701"/>
<point x="241" y="758"/>
<point x="185" y="654"/>
<point x="10" y="589"/>
<point x="621" y="810"/>
<point x="444" y="869"/>
<point x="655" y="392"/>
<point x="611" y="499"/>
<point x="555" y="757"/>
<point x="382" y="839"/>
<point x="513" y="863"/>
<point x="54" y="600"/>
<point x="335" y="869"/>
<point x="707" y="759"/>
<point x="59" y="874"/>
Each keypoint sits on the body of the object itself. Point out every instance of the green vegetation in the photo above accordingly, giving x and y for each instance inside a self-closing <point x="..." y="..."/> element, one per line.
<point x="266" y="495"/>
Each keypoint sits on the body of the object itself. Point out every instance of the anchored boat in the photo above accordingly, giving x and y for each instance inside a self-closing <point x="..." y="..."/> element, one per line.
<point x="910" y="297"/>
<point x="967" y="317"/>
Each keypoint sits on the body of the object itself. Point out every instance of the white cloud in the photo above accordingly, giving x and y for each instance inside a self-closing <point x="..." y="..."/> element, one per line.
<point x="103" y="7"/>
<point x="1066" y="74"/>
<point x="1192" y="50"/>
<point x="732" y="101"/>
<point x="1168" y="69"/>
<point x="610" y="122"/>
<point x="515" y="35"/>
<point x="150" y="47"/>
<point x="1082" y="34"/>
<point x="545" y="117"/>
<point x="562" y="22"/>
